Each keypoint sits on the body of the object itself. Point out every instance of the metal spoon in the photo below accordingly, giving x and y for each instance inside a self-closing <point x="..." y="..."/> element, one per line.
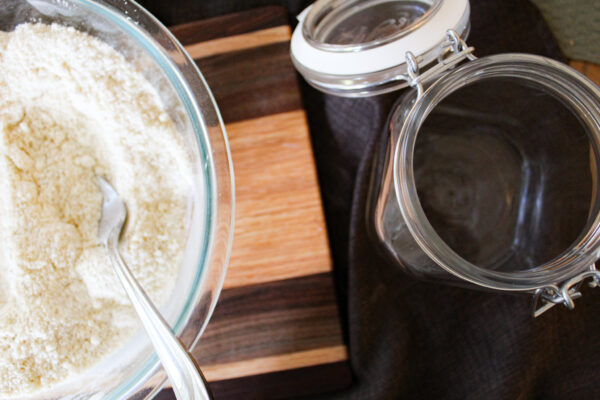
<point x="185" y="376"/>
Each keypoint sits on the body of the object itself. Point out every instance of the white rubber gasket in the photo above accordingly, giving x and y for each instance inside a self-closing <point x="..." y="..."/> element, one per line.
<point x="452" y="14"/>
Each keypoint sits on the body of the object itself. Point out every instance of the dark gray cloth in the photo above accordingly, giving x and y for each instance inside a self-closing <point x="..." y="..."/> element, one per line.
<point x="411" y="339"/>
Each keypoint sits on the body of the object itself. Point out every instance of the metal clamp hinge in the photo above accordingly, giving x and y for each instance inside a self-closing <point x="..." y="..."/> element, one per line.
<point x="454" y="44"/>
<point x="552" y="295"/>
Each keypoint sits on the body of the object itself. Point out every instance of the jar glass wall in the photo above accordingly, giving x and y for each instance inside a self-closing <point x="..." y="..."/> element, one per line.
<point x="490" y="177"/>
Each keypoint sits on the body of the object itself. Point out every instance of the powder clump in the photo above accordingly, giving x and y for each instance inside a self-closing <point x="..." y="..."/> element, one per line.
<point x="72" y="108"/>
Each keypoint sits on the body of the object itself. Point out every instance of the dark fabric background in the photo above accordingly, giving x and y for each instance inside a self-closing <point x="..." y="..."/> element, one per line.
<point x="410" y="339"/>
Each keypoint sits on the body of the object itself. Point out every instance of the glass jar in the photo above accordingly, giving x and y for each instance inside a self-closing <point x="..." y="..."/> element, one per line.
<point x="489" y="175"/>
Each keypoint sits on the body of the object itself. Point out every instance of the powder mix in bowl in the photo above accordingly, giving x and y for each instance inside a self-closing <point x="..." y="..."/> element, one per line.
<point x="72" y="108"/>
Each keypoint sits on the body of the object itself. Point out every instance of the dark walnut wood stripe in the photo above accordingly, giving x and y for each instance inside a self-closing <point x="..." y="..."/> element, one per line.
<point x="252" y="83"/>
<point x="280" y="385"/>
<point x="281" y="317"/>
<point x="230" y="25"/>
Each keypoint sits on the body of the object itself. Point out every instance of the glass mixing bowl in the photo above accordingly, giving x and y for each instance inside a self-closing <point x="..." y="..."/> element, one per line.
<point x="133" y="371"/>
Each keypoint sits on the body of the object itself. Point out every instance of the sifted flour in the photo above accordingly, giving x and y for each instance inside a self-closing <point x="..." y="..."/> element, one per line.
<point x="72" y="108"/>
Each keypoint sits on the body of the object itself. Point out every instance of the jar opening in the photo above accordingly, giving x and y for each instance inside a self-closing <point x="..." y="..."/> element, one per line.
<point x="358" y="25"/>
<point x="496" y="172"/>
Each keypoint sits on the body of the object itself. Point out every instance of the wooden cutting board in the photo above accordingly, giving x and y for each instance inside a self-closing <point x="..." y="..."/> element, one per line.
<point x="275" y="332"/>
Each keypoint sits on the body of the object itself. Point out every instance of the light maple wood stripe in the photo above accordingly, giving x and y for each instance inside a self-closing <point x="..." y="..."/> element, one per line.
<point x="239" y="42"/>
<point x="280" y="227"/>
<point x="280" y="362"/>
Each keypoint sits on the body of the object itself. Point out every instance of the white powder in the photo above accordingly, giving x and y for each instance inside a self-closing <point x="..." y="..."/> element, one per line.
<point x="71" y="108"/>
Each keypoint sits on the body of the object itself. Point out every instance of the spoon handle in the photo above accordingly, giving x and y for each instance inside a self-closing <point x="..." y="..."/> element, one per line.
<point x="185" y="376"/>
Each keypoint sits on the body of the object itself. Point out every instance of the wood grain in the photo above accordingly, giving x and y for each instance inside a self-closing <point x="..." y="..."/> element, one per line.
<point x="253" y="83"/>
<point x="279" y="362"/>
<point x="239" y="42"/>
<point x="278" y="385"/>
<point x="280" y="230"/>
<point x="230" y="25"/>
<point x="292" y="315"/>
<point x="275" y="332"/>
<point x="592" y="71"/>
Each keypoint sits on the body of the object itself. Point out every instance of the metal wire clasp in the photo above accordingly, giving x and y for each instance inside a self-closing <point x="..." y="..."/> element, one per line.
<point x="565" y="294"/>
<point x="453" y="45"/>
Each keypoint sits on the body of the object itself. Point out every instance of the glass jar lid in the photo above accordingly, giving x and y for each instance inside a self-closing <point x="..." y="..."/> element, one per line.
<point x="358" y="48"/>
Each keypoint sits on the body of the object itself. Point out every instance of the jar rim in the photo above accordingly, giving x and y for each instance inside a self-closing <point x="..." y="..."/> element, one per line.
<point x="577" y="91"/>
<point x="381" y="68"/>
